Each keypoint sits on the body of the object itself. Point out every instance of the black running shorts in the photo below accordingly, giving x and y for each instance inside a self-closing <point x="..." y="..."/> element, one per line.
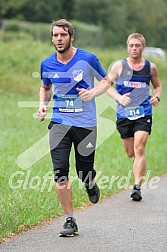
<point x="84" y="140"/>
<point x="127" y="127"/>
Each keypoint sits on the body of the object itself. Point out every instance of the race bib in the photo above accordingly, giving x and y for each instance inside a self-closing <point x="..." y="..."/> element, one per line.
<point x="70" y="103"/>
<point x="133" y="113"/>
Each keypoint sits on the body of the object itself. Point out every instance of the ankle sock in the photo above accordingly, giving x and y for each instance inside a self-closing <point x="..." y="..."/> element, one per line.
<point x="71" y="215"/>
<point x="137" y="187"/>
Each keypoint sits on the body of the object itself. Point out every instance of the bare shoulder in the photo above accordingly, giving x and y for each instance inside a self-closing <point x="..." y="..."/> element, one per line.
<point x="154" y="67"/>
<point x="115" y="70"/>
<point x="116" y="66"/>
<point x="117" y="63"/>
<point x="155" y="76"/>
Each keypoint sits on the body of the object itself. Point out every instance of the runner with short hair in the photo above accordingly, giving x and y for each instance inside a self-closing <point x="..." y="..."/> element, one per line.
<point x="73" y="120"/>
<point x="132" y="77"/>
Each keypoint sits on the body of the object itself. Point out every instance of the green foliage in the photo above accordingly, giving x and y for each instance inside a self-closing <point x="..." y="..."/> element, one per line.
<point x="24" y="206"/>
<point x="18" y="62"/>
<point x="37" y="11"/>
<point x="85" y="35"/>
<point x="29" y="204"/>
<point x="11" y="8"/>
<point x="116" y="17"/>
<point x="14" y="29"/>
<point x="20" y="59"/>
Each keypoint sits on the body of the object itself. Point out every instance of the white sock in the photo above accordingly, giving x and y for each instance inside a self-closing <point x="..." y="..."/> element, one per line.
<point x="70" y="215"/>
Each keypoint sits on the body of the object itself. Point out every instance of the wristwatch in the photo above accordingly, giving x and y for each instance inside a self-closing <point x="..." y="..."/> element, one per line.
<point x="158" y="98"/>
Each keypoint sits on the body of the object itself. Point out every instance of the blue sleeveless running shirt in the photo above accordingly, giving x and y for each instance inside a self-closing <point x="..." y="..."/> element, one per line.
<point x="137" y="82"/>
<point x="79" y="72"/>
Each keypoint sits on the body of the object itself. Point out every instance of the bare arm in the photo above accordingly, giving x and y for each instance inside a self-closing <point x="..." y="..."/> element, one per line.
<point x="114" y="74"/>
<point x="156" y="85"/>
<point x="103" y="85"/>
<point x="101" y="88"/>
<point x="122" y="99"/>
<point x="44" y="98"/>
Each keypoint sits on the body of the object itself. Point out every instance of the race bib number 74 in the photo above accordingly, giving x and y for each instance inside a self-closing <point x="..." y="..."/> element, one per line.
<point x="70" y="103"/>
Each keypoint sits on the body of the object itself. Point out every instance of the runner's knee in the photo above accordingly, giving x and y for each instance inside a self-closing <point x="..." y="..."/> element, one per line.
<point x="60" y="175"/>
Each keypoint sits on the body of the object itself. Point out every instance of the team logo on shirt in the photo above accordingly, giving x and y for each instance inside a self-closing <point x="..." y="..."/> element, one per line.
<point x="77" y="75"/>
<point x="129" y="73"/>
<point x="55" y="75"/>
<point x="134" y="84"/>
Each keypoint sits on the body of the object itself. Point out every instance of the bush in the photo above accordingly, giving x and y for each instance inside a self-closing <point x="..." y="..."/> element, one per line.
<point x="85" y="34"/>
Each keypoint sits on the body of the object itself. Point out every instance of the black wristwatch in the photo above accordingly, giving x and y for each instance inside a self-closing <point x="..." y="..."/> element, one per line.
<point x="158" y="98"/>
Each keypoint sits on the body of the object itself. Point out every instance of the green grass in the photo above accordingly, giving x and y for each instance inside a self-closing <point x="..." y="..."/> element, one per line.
<point x="25" y="200"/>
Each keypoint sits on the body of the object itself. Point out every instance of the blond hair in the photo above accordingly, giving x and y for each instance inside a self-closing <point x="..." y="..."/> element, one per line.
<point x="136" y="36"/>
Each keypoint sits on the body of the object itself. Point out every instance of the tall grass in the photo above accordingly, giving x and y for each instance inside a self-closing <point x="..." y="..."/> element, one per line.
<point x="85" y="35"/>
<point x="25" y="199"/>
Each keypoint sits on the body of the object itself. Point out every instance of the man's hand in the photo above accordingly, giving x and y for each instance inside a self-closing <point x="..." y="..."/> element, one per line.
<point x="124" y="100"/>
<point x="154" y="101"/>
<point x="85" y="94"/>
<point x="42" y="112"/>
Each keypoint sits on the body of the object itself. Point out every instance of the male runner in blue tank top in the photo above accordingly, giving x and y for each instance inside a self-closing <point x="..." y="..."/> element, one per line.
<point x="73" y="120"/>
<point x="132" y="77"/>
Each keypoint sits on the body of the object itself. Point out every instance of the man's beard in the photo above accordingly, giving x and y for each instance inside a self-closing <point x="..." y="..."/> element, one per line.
<point x="65" y="49"/>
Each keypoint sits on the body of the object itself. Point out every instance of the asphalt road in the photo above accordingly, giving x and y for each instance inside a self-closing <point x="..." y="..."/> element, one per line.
<point x="115" y="224"/>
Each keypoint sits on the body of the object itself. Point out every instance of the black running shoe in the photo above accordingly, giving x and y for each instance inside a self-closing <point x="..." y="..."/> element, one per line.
<point x="69" y="228"/>
<point x="136" y="193"/>
<point x="93" y="192"/>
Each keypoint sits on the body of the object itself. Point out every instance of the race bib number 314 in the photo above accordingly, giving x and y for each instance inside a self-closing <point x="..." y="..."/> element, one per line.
<point x="133" y="113"/>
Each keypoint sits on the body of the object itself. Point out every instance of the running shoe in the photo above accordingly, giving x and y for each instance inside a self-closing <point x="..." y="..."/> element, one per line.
<point x="69" y="228"/>
<point x="93" y="192"/>
<point x="136" y="193"/>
